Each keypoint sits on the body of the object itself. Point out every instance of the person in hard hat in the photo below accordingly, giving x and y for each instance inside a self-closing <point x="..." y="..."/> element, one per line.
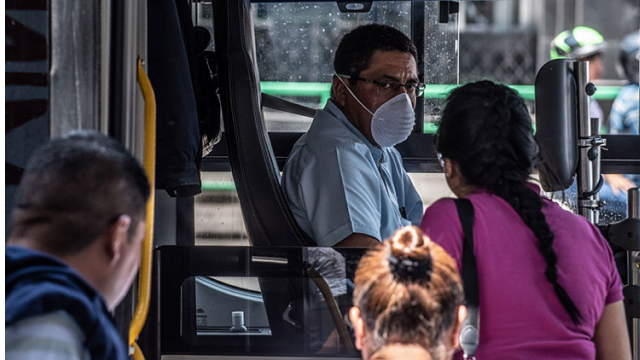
<point x="624" y="112"/>
<point x="585" y="44"/>
<point x="624" y="116"/>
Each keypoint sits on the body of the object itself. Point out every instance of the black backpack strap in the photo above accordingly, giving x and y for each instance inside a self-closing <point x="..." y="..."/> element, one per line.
<point x="470" y="328"/>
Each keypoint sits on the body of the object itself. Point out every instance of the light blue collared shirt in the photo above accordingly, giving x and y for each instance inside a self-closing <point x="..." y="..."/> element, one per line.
<point x="338" y="183"/>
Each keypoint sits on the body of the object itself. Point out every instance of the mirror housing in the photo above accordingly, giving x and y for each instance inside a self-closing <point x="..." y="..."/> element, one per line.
<point x="556" y="103"/>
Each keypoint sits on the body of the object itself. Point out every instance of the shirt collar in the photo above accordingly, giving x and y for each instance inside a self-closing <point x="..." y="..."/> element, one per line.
<point x="334" y="111"/>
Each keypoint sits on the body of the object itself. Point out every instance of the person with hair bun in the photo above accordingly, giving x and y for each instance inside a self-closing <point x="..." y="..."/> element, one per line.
<point x="548" y="284"/>
<point x="407" y="292"/>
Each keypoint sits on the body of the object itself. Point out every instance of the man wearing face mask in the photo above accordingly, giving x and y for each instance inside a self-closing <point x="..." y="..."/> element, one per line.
<point x="344" y="180"/>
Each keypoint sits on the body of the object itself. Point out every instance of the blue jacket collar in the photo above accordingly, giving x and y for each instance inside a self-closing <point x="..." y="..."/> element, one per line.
<point x="38" y="284"/>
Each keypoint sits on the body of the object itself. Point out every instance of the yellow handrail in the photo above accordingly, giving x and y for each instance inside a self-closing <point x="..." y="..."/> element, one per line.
<point x="137" y="353"/>
<point x="149" y="162"/>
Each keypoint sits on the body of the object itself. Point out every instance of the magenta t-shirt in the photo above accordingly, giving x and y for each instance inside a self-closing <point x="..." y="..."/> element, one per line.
<point x="521" y="316"/>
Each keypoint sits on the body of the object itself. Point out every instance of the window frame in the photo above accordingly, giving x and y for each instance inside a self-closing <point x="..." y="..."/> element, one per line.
<point x="417" y="151"/>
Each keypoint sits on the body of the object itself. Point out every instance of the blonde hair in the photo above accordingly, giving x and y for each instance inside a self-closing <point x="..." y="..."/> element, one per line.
<point x="408" y="291"/>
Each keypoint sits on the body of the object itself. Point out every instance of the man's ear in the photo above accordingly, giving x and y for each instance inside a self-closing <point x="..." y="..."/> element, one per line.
<point x="117" y="235"/>
<point x="339" y="92"/>
<point x="457" y="327"/>
<point x="358" y="326"/>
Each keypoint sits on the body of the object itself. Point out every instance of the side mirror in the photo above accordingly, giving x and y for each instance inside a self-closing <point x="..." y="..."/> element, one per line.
<point x="557" y="124"/>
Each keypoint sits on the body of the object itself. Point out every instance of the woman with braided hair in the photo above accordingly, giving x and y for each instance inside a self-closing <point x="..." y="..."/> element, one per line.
<point x="408" y="296"/>
<point x="548" y="284"/>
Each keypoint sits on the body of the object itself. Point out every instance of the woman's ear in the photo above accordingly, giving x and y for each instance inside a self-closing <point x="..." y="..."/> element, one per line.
<point x="457" y="327"/>
<point x="358" y="326"/>
<point x="448" y="168"/>
<point x="456" y="180"/>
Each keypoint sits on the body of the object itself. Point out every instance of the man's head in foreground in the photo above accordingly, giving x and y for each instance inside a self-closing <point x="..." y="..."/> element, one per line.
<point x="82" y="199"/>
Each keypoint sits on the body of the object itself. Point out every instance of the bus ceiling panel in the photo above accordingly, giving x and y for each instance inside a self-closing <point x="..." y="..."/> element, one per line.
<point x="620" y="157"/>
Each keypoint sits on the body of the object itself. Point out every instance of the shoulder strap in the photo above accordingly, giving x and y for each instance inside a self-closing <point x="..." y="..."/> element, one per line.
<point x="470" y="328"/>
<point x="469" y="268"/>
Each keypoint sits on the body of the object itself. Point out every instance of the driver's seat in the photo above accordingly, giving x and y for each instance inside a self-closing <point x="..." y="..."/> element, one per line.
<point x="268" y="219"/>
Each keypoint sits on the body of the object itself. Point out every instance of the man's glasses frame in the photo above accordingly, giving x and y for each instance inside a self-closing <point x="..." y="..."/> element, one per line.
<point x="386" y="87"/>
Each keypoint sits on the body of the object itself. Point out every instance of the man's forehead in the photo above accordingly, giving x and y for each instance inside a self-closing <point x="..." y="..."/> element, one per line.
<point x="392" y="64"/>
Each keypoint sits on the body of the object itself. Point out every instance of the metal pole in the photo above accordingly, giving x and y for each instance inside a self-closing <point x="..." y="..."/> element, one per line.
<point x="588" y="177"/>
<point x="634" y="268"/>
<point x="75" y="81"/>
<point x="595" y="163"/>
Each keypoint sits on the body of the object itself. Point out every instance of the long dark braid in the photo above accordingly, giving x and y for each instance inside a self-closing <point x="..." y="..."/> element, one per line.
<point x="486" y="129"/>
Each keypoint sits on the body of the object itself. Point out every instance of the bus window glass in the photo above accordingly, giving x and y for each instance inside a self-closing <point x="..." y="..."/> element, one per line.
<point x="505" y="41"/>
<point x="218" y="217"/>
<point x="615" y="200"/>
<point x="282" y="300"/>
<point x="295" y="46"/>
<point x="440" y="62"/>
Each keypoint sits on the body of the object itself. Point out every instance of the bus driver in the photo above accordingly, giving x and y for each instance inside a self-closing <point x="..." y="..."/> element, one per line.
<point x="344" y="180"/>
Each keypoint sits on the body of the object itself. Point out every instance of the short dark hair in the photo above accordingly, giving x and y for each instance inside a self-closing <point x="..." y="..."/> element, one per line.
<point x="358" y="46"/>
<point x="74" y="188"/>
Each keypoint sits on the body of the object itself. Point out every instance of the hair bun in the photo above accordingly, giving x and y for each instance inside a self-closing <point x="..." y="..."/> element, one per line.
<point x="405" y="268"/>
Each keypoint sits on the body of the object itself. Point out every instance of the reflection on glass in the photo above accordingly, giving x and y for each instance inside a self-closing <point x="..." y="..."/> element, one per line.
<point x="277" y="300"/>
<point x="229" y="306"/>
<point x="329" y="300"/>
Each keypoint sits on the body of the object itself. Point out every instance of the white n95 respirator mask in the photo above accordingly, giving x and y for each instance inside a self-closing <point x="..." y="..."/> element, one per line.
<point x="393" y="121"/>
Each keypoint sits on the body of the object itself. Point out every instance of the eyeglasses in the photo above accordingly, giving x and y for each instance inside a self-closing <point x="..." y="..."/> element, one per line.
<point x="388" y="87"/>
<point x="440" y="159"/>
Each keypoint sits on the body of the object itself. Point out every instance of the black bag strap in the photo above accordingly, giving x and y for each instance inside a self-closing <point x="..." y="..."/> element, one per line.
<point x="471" y="326"/>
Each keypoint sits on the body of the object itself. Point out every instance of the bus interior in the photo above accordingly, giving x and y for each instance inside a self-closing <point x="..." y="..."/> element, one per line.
<point x="236" y="83"/>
